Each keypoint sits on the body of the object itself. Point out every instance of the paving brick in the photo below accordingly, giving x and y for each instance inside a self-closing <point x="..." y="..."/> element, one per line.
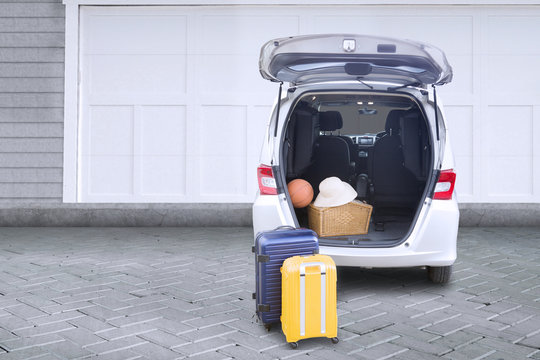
<point x="152" y="351"/>
<point x="121" y="354"/>
<point x="112" y="346"/>
<point x="421" y="346"/>
<point x="164" y="339"/>
<point x="127" y="331"/>
<point x="448" y="327"/>
<point x="44" y="329"/>
<point x="90" y="323"/>
<point x="470" y="352"/>
<point x="30" y="353"/>
<point x="211" y="320"/>
<point x="382" y="351"/>
<point x="457" y="340"/>
<point x="25" y="343"/>
<point x="241" y="352"/>
<point x="66" y="350"/>
<point x="202" y="347"/>
<point x="415" y="355"/>
<point x="128" y="320"/>
<point x="254" y="343"/>
<point x="208" y="333"/>
<point x="369" y="325"/>
<point x="82" y="337"/>
<point x="328" y="354"/>
<point x="26" y="312"/>
<point x="531" y="341"/>
<point x="188" y="287"/>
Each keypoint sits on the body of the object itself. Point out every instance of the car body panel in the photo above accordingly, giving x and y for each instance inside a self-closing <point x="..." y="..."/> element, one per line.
<point x="333" y="57"/>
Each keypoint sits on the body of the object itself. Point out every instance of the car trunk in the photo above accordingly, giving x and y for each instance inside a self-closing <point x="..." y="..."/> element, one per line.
<point x="377" y="142"/>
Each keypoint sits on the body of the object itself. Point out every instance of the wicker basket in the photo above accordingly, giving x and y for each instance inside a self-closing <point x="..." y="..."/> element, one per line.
<point x="349" y="219"/>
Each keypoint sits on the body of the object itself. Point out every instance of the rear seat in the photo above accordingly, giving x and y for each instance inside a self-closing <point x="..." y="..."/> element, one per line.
<point x="331" y="154"/>
<point x="393" y="185"/>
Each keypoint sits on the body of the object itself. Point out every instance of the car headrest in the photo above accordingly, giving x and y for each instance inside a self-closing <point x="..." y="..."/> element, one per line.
<point x="330" y="120"/>
<point x="392" y="122"/>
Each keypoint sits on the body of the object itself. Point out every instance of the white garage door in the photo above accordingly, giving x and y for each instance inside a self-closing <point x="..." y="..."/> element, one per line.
<point x="172" y="108"/>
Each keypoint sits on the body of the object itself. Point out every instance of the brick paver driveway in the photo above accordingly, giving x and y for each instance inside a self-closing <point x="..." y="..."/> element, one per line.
<point x="166" y="293"/>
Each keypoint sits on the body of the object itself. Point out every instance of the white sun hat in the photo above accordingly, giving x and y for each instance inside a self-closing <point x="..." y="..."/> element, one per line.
<point x="334" y="192"/>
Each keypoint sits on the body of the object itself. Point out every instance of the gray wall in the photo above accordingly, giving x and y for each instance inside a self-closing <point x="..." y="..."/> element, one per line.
<point x="31" y="100"/>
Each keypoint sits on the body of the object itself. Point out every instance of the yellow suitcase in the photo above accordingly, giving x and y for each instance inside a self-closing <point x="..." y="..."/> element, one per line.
<point x="308" y="298"/>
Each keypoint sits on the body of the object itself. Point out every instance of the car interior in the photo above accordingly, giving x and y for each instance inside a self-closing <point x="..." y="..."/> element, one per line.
<point x="378" y="143"/>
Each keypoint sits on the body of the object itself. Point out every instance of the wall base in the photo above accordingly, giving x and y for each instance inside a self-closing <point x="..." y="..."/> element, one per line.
<point x="126" y="215"/>
<point x="499" y="214"/>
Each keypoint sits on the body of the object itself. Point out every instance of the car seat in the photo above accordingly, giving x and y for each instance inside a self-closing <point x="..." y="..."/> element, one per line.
<point x="392" y="184"/>
<point x="331" y="153"/>
<point x="300" y="139"/>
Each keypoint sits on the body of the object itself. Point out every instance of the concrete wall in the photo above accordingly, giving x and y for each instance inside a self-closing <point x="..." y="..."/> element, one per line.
<point x="31" y="100"/>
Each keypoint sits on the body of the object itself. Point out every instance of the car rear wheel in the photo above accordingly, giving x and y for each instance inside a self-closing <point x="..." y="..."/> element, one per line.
<point x="439" y="274"/>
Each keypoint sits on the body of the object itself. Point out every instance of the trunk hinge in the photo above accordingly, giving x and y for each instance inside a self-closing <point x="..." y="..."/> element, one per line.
<point x="436" y="111"/>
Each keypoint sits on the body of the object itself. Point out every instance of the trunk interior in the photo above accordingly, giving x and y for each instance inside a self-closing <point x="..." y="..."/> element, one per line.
<point x="378" y="143"/>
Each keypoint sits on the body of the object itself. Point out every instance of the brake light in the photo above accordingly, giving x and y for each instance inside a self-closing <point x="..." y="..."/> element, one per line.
<point x="267" y="183"/>
<point x="445" y="185"/>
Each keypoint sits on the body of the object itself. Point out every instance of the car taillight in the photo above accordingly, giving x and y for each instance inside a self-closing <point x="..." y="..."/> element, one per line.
<point x="445" y="185"/>
<point x="267" y="183"/>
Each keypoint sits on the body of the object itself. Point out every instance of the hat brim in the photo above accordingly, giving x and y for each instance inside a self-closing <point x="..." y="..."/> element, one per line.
<point x="346" y="195"/>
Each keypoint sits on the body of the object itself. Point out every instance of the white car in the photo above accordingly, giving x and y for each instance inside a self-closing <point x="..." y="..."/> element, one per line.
<point x="362" y="108"/>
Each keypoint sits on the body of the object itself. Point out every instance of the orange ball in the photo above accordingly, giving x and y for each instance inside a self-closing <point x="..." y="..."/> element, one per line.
<point x="301" y="193"/>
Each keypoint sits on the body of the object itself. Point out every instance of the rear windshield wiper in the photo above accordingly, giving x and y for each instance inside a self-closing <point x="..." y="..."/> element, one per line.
<point x="359" y="79"/>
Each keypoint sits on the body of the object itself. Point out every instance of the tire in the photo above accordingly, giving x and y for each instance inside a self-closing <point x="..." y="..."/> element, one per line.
<point x="439" y="274"/>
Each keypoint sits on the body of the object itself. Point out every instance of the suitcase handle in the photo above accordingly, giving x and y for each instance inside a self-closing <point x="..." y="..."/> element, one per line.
<point x="303" y="296"/>
<point x="285" y="227"/>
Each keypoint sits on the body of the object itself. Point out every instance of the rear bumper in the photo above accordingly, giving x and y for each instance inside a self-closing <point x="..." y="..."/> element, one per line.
<point x="432" y="242"/>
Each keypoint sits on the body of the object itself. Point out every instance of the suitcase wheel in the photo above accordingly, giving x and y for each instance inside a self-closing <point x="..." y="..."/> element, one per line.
<point x="268" y="327"/>
<point x="335" y="340"/>
<point x="294" y="345"/>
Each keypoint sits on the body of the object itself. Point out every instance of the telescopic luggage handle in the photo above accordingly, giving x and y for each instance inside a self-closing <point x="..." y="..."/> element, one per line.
<point x="303" y="296"/>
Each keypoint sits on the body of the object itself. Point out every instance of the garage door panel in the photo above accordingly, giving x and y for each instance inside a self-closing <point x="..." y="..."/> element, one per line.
<point x="233" y="74"/>
<point x="512" y="75"/>
<point x="237" y="34"/>
<point x="110" y="175"/>
<point x="163" y="175"/>
<point x="110" y="131"/>
<point x="223" y="150"/>
<point x="510" y="175"/>
<point x="115" y="74"/>
<point x="223" y="130"/>
<point x="163" y="130"/>
<point x="118" y="33"/>
<point x="510" y="130"/>
<point x="513" y="35"/>
<point x="223" y="176"/>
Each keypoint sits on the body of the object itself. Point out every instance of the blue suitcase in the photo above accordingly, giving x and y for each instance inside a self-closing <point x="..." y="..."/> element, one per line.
<point x="271" y="249"/>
